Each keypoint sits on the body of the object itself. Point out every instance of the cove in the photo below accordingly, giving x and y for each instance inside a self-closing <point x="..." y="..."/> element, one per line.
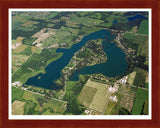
<point x="115" y="58"/>
<point x="115" y="65"/>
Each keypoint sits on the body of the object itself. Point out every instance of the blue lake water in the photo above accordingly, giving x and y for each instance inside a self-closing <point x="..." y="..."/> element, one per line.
<point x="115" y="65"/>
<point x="115" y="21"/>
<point x="138" y="16"/>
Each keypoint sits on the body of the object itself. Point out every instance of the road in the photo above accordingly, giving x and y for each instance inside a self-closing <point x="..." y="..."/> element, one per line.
<point x="25" y="89"/>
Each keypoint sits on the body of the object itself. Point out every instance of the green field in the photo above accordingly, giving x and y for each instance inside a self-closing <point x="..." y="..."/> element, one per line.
<point x="140" y="77"/>
<point x="17" y="94"/>
<point x="143" y="29"/>
<point x="34" y="104"/>
<point x="55" y="106"/>
<point x="146" y="107"/>
<point x="27" y="95"/>
<point x="110" y="107"/>
<point x="95" y="95"/>
<point x="140" y="99"/>
<point x="70" y="87"/>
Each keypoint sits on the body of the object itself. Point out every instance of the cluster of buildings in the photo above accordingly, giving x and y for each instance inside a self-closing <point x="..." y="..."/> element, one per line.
<point x="113" y="98"/>
<point x="17" y="83"/>
<point x="123" y="80"/>
<point x="113" y="89"/>
<point x="91" y="112"/>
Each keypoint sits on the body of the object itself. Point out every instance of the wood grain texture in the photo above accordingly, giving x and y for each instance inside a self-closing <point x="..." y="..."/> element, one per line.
<point x="6" y="4"/>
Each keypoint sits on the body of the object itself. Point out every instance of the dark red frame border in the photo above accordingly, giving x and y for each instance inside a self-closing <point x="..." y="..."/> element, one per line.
<point x="6" y="4"/>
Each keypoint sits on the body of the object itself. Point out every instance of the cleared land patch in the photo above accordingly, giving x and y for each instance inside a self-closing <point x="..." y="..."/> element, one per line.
<point x="127" y="100"/>
<point x="99" y="99"/>
<point x="27" y="95"/>
<point x="33" y="49"/>
<point x="20" y="48"/>
<point x="131" y="78"/>
<point x="18" y="107"/>
<point x="17" y="61"/>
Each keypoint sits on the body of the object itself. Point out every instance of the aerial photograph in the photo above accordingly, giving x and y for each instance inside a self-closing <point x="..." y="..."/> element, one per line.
<point x="79" y="62"/>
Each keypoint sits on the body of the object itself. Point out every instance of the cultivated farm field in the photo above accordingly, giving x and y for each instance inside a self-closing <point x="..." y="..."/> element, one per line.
<point x="98" y="99"/>
<point x="18" y="107"/>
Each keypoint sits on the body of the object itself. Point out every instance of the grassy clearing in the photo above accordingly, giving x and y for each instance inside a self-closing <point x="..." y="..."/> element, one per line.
<point x="17" y="61"/>
<point x="38" y="51"/>
<point x="19" y="39"/>
<point x="70" y="87"/>
<point x="18" y="107"/>
<point x="48" y="112"/>
<point x="55" y="106"/>
<point x="20" y="48"/>
<point x="14" y="68"/>
<point x="27" y="95"/>
<point x="27" y="51"/>
<point x="143" y="28"/>
<point x="131" y="78"/>
<point x="110" y="107"/>
<point x="141" y="97"/>
<point x="29" y="23"/>
<point x="86" y="96"/>
<point x="14" y="41"/>
<point x="143" y="49"/>
<point x="18" y="58"/>
<point x="33" y="49"/>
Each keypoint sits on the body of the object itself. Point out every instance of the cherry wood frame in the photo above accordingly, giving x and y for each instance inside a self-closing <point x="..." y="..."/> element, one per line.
<point x="6" y="4"/>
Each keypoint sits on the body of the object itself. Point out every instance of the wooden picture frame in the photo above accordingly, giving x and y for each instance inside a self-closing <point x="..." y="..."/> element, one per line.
<point x="4" y="29"/>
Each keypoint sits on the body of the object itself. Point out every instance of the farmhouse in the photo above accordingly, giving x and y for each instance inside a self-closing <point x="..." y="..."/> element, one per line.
<point x="123" y="80"/>
<point x="17" y="83"/>
<point x="113" y="98"/>
<point x="113" y="89"/>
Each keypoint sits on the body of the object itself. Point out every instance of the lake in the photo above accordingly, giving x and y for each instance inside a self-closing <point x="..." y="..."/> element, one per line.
<point x="115" y="65"/>
<point x="138" y="16"/>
